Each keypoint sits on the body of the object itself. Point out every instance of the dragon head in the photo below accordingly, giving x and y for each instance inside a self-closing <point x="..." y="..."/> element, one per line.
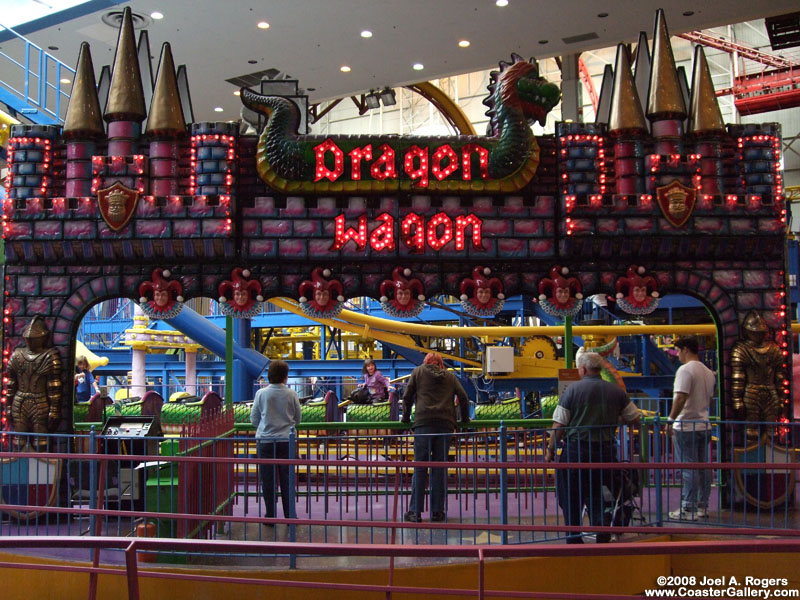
<point x="517" y="85"/>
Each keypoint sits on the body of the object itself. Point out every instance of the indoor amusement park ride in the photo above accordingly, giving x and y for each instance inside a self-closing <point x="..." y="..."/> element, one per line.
<point x="657" y="197"/>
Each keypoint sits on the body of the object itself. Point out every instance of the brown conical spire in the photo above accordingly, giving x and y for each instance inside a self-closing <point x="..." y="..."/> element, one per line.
<point x="664" y="99"/>
<point x="126" y="96"/>
<point x="84" y="118"/>
<point x="626" y="109"/>
<point x="705" y="116"/>
<point x="166" y="115"/>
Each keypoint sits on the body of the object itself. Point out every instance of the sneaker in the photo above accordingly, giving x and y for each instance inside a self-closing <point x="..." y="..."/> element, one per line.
<point x="437" y="517"/>
<point x="412" y="517"/>
<point x="702" y="513"/>
<point x="683" y="515"/>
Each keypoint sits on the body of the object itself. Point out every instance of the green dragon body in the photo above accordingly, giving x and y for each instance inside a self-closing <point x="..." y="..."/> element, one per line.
<point x="286" y="160"/>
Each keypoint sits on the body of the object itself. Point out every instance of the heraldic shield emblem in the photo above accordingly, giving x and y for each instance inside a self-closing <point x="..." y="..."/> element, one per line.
<point x="29" y="483"/>
<point x="764" y="488"/>
<point x="676" y="201"/>
<point x="117" y="205"/>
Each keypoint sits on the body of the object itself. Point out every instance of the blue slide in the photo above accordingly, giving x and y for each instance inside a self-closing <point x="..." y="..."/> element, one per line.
<point x="212" y="337"/>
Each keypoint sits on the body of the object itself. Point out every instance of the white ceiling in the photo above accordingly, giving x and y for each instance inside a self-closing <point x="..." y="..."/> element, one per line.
<point x="311" y="39"/>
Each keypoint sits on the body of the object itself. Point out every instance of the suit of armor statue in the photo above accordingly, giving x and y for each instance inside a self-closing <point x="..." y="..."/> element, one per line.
<point x="34" y="384"/>
<point x="757" y="374"/>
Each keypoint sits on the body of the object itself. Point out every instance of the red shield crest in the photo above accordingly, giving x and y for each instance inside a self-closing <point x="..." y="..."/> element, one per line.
<point x="117" y="205"/>
<point x="676" y="201"/>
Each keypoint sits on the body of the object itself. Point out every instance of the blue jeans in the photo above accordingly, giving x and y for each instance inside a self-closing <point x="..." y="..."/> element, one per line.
<point x="268" y="488"/>
<point x="576" y="488"/>
<point x="429" y="446"/>
<point x="692" y="446"/>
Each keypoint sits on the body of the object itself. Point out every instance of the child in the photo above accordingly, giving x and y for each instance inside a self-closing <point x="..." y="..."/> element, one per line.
<point x="84" y="381"/>
<point x="375" y="386"/>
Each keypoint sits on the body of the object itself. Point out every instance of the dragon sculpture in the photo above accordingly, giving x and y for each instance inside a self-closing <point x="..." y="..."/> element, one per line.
<point x="287" y="161"/>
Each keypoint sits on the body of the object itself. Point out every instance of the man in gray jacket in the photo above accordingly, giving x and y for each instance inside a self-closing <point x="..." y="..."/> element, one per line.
<point x="432" y="387"/>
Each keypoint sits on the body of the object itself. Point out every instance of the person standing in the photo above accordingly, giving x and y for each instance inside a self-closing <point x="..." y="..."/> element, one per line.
<point x="276" y="410"/>
<point x="586" y="417"/>
<point x="432" y="388"/>
<point x="84" y="381"/>
<point x="690" y="429"/>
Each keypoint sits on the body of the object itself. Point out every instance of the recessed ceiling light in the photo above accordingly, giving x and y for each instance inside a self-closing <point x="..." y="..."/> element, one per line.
<point x="344" y="69"/>
<point x="366" y="33"/>
<point x="688" y="13"/>
<point x="263" y="25"/>
<point x="218" y="109"/>
<point x="602" y="15"/>
<point x="544" y="42"/>
<point x="237" y="93"/>
<point x="252" y="61"/>
<point x="52" y="47"/>
<point x="65" y="80"/>
<point x="418" y="66"/>
<point x="501" y="2"/>
<point x="463" y="44"/>
<point x="156" y="15"/>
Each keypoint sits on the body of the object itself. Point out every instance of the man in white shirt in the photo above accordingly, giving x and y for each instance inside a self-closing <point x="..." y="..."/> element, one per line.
<point x="690" y="428"/>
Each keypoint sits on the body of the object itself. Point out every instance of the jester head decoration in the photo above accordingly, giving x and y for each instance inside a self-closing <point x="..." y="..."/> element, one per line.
<point x="481" y="295"/>
<point x="317" y="294"/>
<point x="637" y="293"/>
<point x="402" y="295"/>
<point x="240" y="295"/>
<point x="160" y="297"/>
<point x="560" y="295"/>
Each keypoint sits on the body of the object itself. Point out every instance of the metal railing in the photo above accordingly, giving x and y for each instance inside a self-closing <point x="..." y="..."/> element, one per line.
<point x="31" y="82"/>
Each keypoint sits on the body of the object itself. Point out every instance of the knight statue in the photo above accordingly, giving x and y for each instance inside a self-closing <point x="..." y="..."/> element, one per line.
<point x="757" y="375"/>
<point x="34" y="385"/>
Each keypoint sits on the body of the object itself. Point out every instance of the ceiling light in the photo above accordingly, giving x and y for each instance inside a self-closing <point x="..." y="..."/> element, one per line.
<point x="237" y="93"/>
<point x="501" y="3"/>
<point x="388" y="97"/>
<point x="418" y="66"/>
<point x="366" y="33"/>
<point x="344" y="69"/>
<point x="372" y="100"/>
<point x="263" y="25"/>
<point x="602" y="15"/>
<point x="156" y="15"/>
<point x="218" y="109"/>
<point x="464" y="44"/>
<point x="544" y="42"/>
<point x="65" y="80"/>
<point x="688" y="13"/>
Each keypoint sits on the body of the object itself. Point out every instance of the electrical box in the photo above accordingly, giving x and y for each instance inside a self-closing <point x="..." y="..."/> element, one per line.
<point x="498" y="359"/>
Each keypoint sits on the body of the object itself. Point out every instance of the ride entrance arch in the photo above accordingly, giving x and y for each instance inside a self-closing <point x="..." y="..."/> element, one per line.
<point x="663" y="198"/>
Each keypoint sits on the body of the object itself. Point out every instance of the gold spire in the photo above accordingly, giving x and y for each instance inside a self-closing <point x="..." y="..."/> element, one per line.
<point x="83" y="113"/>
<point x="665" y="98"/>
<point x="626" y="109"/>
<point x="705" y="116"/>
<point x="126" y="96"/>
<point x="166" y="113"/>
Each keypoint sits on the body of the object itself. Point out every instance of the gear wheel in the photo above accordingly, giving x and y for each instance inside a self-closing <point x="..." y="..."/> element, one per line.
<point x="539" y="347"/>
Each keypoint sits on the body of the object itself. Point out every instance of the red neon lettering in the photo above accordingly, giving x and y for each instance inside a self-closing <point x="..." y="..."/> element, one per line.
<point x="452" y="165"/>
<point x="342" y="236"/>
<point x="483" y="161"/>
<point x="421" y="172"/>
<point x="462" y="222"/>
<point x="434" y="240"/>
<point x="384" y="168"/>
<point x="383" y="236"/>
<point x="322" y="171"/>
<point x="356" y="154"/>
<point x="416" y="239"/>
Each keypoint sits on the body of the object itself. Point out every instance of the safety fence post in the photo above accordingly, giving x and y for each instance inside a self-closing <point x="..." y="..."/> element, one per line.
<point x="503" y="482"/>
